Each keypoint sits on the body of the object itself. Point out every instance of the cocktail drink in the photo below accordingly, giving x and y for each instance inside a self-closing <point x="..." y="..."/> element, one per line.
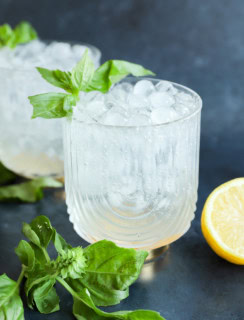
<point x="28" y="147"/>
<point x="131" y="163"/>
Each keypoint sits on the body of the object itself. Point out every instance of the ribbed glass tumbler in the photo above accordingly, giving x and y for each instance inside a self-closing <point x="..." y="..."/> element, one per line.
<point x="134" y="185"/>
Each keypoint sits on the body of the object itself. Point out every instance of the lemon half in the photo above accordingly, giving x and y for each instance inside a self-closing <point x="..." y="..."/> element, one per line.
<point x="223" y="221"/>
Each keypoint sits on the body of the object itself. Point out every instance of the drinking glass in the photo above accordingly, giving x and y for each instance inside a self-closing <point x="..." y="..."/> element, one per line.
<point x="31" y="148"/>
<point x="134" y="185"/>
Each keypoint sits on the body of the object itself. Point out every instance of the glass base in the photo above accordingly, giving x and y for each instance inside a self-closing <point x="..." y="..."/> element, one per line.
<point x="60" y="195"/>
<point x="61" y="179"/>
<point x="156" y="253"/>
<point x="157" y="261"/>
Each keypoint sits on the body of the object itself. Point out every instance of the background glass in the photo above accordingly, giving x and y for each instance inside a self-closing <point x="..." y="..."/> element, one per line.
<point x="31" y="148"/>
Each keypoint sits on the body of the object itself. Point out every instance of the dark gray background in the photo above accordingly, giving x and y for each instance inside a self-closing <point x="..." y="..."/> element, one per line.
<point x="198" y="43"/>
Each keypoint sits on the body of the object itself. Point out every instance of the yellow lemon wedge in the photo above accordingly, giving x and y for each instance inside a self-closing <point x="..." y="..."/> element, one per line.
<point x="223" y="221"/>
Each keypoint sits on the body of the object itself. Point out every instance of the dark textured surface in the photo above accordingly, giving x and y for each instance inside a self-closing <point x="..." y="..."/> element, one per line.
<point x="196" y="43"/>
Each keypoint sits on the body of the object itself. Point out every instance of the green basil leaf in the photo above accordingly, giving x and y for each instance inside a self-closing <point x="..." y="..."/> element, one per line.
<point x="11" y="306"/>
<point x="144" y="315"/>
<point x="59" y="242"/>
<point x="48" y="105"/>
<point x="6" y="175"/>
<point x="40" y="256"/>
<point x="114" y="268"/>
<point x="82" y="312"/>
<point x="35" y="279"/>
<point x="29" y="191"/>
<point x="46" y="298"/>
<point x="113" y="71"/>
<point x="24" y="32"/>
<point x="26" y="255"/>
<point x="84" y="308"/>
<point x="101" y="295"/>
<point x="30" y="234"/>
<point x="69" y="102"/>
<point x="57" y="78"/>
<point x="39" y="231"/>
<point x="83" y="72"/>
<point x="6" y="36"/>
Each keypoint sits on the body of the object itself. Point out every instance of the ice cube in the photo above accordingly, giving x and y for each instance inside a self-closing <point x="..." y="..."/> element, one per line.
<point x="95" y="109"/>
<point x="163" y="115"/>
<point x="93" y="96"/>
<point x="136" y="101"/>
<point x="161" y="100"/>
<point x="163" y="86"/>
<point x="80" y="115"/>
<point x="29" y="50"/>
<point x="120" y="92"/>
<point x="6" y="55"/>
<point x="184" y="97"/>
<point x="62" y="48"/>
<point x="181" y="109"/>
<point x="144" y="88"/>
<point x="126" y="86"/>
<point x="116" y="116"/>
<point x="79" y="50"/>
<point x="117" y="94"/>
<point x="166" y="86"/>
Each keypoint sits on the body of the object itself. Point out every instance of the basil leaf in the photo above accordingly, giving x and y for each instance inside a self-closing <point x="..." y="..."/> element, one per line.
<point x="57" y="78"/>
<point x="35" y="279"/>
<point x="24" y="32"/>
<point x="82" y="312"/>
<point x="82" y="78"/>
<point x="48" y="105"/>
<point x="29" y="191"/>
<point x="6" y="175"/>
<point x="84" y="308"/>
<point x="59" y="242"/>
<point x="83" y="72"/>
<point x="69" y="102"/>
<point x="144" y="315"/>
<point x="11" y="306"/>
<point x="6" y="36"/>
<point x="113" y="71"/>
<point x="40" y="255"/>
<point x="39" y="231"/>
<point x="26" y="255"/>
<point x="114" y="268"/>
<point x="46" y="298"/>
<point x="30" y="234"/>
<point x="101" y="295"/>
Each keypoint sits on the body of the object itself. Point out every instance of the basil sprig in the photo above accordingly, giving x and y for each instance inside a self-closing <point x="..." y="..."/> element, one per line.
<point x="99" y="275"/>
<point x="28" y="191"/>
<point x="83" y="77"/>
<point x="22" y="33"/>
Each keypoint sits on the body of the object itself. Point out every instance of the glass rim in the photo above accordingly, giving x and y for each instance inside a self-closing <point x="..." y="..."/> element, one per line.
<point x="97" y="52"/>
<point x="183" y="118"/>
